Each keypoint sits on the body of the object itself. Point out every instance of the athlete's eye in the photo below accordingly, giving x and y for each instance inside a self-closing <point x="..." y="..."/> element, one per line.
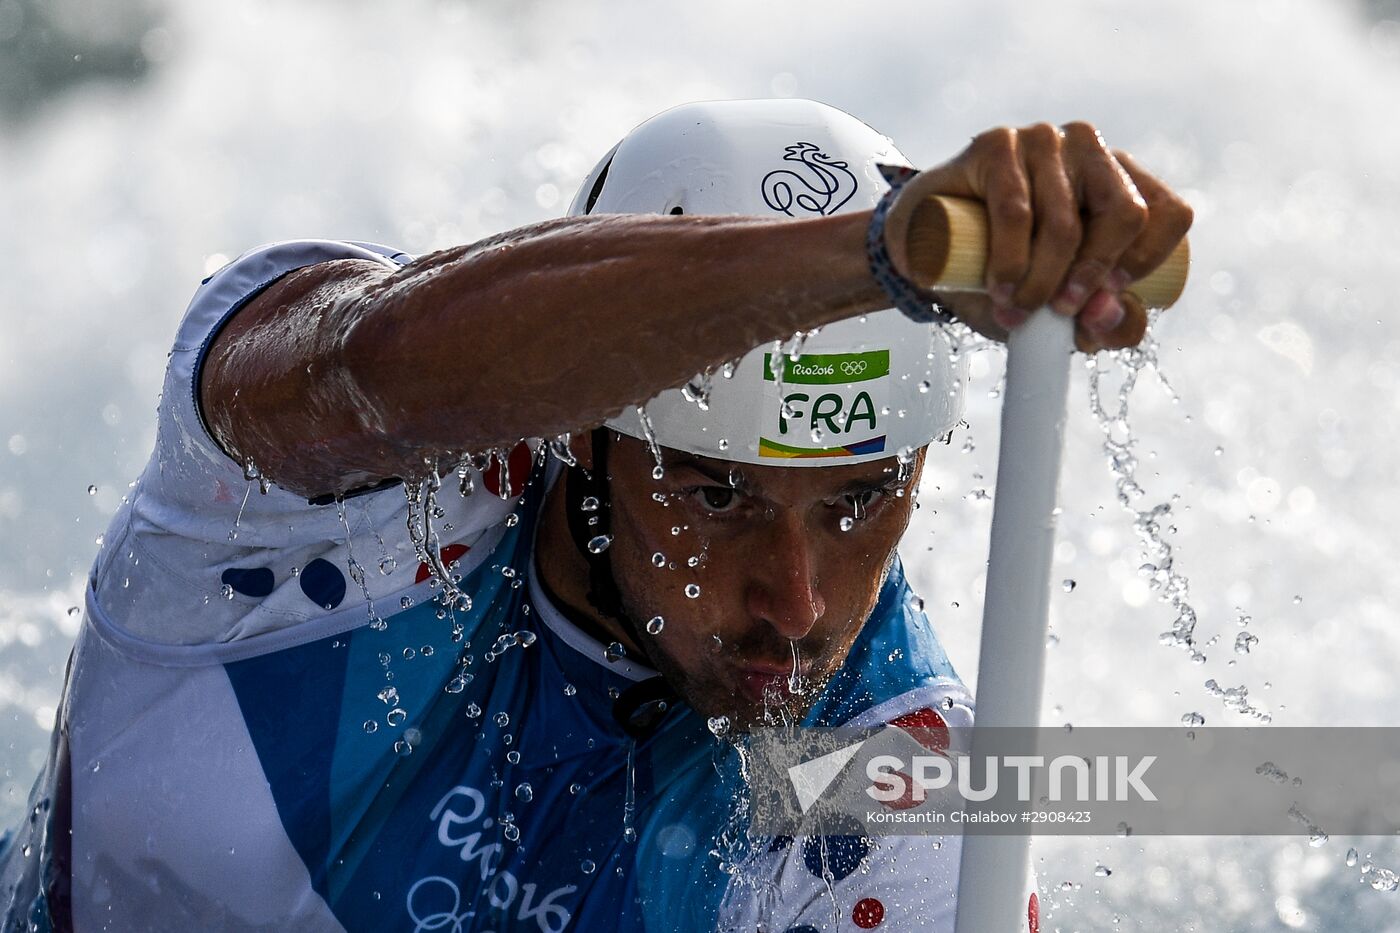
<point x="858" y="504"/>
<point x="717" y="500"/>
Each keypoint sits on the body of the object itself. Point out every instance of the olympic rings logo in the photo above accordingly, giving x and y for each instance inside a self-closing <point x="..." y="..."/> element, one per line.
<point x="853" y="367"/>
<point x="434" y="916"/>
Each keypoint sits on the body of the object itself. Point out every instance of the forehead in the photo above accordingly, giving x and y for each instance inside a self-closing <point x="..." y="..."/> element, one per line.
<point x="777" y="482"/>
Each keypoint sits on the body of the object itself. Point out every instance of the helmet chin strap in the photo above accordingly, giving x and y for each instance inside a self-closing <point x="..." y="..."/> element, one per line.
<point x="641" y="707"/>
<point x="585" y="525"/>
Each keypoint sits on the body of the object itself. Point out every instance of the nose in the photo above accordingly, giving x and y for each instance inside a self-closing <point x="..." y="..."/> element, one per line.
<point x="782" y="588"/>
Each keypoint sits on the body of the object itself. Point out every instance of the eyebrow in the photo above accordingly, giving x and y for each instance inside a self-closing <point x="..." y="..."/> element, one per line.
<point x="721" y="477"/>
<point x="718" y="476"/>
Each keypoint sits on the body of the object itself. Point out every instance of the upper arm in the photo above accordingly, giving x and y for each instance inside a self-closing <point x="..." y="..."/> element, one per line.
<point x="273" y="389"/>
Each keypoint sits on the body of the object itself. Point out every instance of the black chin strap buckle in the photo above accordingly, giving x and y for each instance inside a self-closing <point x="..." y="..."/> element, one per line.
<point x="640" y="708"/>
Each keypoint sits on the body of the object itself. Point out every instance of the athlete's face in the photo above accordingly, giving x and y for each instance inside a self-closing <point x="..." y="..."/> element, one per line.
<point x="760" y="573"/>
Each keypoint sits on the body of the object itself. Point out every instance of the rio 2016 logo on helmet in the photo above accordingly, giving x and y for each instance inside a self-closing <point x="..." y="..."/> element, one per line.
<point x="860" y="389"/>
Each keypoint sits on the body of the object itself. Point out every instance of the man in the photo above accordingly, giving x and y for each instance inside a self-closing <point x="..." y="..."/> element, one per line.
<point x="287" y="710"/>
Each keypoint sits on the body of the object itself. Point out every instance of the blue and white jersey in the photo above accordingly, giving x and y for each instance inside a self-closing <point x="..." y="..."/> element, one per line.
<point x="255" y="737"/>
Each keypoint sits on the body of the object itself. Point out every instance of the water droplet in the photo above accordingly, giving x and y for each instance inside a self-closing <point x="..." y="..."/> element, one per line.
<point x="92" y="490"/>
<point x="396" y="716"/>
<point x="575" y="789"/>
<point x="724" y="443"/>
<point x="1193" y="719"/>
<point x="1102" y="871"/>
<point x="426" y="651"/>
<point x="570" y="690"/>
<point x="74" y="612"/>
<point x="389" y="695"/>
<point x="524" y="791"/>
<point x="655" y="626"/>
<point x="1219" y="451"/>
<point x="692" y="590"/>
<point x="589" y="504"/>
<point x="473" y="711"/>
<point x="226" y="591"/>
<point x="614" y="652"/>
<point x="599" y="543"/>
<point x="1244" y="641"/>
<point x="511" y="832"/>
<point x="409" y="654"/>
<point x="1352" y="857"/>
<point x="1068" y="585"/>
<point x="525" y="638"/>
<point x="1317" y="839"/>
<point x="947" y="703"/>
<point x="924" y="386"/>
<point x="718" y="725"/>
<point x="405" y="602"/>
<point x="658" y="559"/>
<point x="502" y="719"/>
<point x="658" y="472"/>
<point x="847" y="523"/>
<point x="587" y="866"/>
<point x="98" y="540"/>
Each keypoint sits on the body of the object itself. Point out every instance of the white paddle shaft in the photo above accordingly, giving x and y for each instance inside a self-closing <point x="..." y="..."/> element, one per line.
<point x="992" y="884"/>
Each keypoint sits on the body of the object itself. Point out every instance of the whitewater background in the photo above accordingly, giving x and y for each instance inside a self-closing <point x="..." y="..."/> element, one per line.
<point x="143" y="144"/>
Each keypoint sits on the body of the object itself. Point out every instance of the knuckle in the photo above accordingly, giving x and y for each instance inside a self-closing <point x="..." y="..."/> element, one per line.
<point x="1181" y="215"/>
<point x="997" y="139"/>
<point x="1042" y="135"/>
<point x="1131" y="213"/>
<point x="1081" y="131"/>
<point x="1011" y="210"/>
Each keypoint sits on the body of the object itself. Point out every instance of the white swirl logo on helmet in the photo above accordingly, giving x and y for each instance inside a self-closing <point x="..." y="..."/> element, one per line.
<point x="828" y="405"/>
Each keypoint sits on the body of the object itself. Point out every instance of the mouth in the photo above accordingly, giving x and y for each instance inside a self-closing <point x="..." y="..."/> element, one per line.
<point x="757" y="682"/>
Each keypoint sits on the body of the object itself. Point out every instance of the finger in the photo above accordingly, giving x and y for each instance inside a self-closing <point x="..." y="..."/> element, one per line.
<point x="1002" y="185"/>
<point x="1115" y="215"/>
<point x="1110" y="322"/>
<point x="1168" y="219"/>
<point x="1056" y="230"/>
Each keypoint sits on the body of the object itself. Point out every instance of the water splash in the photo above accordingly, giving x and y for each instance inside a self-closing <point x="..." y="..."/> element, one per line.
<point x="238" y="519"/>
<point x="357" y="572"/>
<point x="795" y="681"/>
<point x="629" y="801"/>
<point x="649" y="435"/>
<point x="1119" y="444"/>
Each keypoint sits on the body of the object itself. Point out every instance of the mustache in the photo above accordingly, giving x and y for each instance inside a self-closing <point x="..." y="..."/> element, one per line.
<point x="776" y="651"/>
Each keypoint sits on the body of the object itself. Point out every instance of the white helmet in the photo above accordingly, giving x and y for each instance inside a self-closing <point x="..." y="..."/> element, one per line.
<point x="862" y="388"/>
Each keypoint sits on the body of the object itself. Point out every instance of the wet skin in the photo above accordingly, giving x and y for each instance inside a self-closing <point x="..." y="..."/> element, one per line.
<point x="773" y="564"/>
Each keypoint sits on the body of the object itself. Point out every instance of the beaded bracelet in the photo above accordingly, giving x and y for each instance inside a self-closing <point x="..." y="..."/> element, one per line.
<point x="917" y="303"/>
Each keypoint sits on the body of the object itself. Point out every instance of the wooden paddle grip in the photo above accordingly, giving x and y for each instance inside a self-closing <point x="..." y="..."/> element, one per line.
<point x="948" y="245"/>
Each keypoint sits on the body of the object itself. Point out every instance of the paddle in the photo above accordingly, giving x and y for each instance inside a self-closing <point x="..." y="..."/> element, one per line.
<point x="1015" y="618"/>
